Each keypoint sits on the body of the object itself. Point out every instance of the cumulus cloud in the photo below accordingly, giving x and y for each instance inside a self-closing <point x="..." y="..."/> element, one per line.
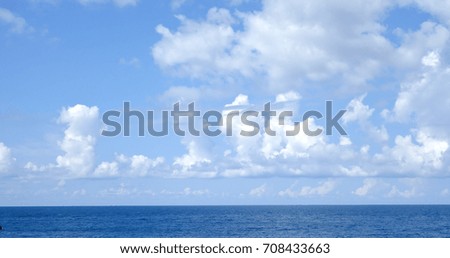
<point x="107" y="169"/>
<point x="284" y="43"/>
<point x="287" y="96"/>
<point x="140" y="165"/>
<point x="368" y="185"/>
<point x="5" y="157"/>
<point x="358" y="112"/>
<point x="79" y="139"/>
<point x="16" y="23"/>
<point x="288" y="48"/>
<point x="423" y="157"/>
<point x="197" y="45"/>
<point x="240" y="100"/>
<point x="291" y="46"/>
<point x="78" y="143"/>
<point x="424" y="99"/>
<point x="133" y="166"/>
<point x="195" y="162"/>
<point x="431" y="59"/>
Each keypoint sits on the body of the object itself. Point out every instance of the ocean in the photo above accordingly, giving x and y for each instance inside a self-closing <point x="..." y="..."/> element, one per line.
<point x="384" y="221"/>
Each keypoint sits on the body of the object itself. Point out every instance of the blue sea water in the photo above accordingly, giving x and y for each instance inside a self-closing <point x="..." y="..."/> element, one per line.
<point x="227" y="221"/>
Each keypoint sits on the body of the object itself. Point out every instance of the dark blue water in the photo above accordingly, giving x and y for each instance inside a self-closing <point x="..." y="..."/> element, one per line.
<point x="227" y="221"/>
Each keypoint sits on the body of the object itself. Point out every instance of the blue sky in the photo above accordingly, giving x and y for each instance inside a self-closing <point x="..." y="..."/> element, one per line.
<point x="64" y="63"/>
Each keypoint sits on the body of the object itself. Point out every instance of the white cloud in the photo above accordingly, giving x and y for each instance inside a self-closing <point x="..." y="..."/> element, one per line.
<point x="321" y="190"/>
<point x="287" y="96"/>
<point x="431" y="59"/>
<point x="133" y="166"/>
<point x="240" y="100"/>
<point x="197" y="45"/>
<point x="344" y="141"/>
<point x="368" y="185"/>
<point x="408" y="193"/>
<point x="438" y="8"/>
<point x="258" y="191"/>
<point x="79" y="139"/>
<point x="5" y="157"/>
<point x="284" y="45"/>
<point x="424" y="157"/>
<point x="17" y="24"/>
<point x="423" y="99"/>
<point x="194" y="162"/>
<point x="357" y="111"/>
<point x="35" y="168"/>
<point x="141" y="165"/>
<point x="107" y="169"/>
<point x="187" y="191"/>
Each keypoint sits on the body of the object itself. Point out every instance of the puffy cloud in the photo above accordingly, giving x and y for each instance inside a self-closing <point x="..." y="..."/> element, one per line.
<point x="195" y="162"/>
<point x="141" y="165"/>
<point x="17" y="24"/>
<point x="196" y="45"/>
<point x="359" y="112"/>
<point x="5" y="157"/>
<point x="285" y="43"/>
<point x="436" y="8"/>
<point x="424" y="100"/>
<point x="425" y="157"/>
<point x="107" y="169"/>
<point x="287" y="96"/>
<point x="36" y="168"/>
<point x="344" y="141"/>
<point x="240" y="100"/>
<point x="431" y="37"/>
<point x="133" y="166"/>
<point x="79" y="139"/>
<point x="431" y="59"/>
<point x="368" y="185"/>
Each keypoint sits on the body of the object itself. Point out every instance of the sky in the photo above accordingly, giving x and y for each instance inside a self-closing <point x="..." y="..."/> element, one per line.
<point x="65" y="63"/>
